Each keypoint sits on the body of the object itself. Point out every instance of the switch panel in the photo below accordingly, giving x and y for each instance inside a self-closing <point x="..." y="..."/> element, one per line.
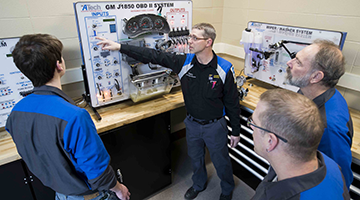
<point x="110" y="76"/>
<point x="13" y="84"/>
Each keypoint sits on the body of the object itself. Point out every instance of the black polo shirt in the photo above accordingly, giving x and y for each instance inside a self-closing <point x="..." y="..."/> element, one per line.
<point x="206" y="96"/>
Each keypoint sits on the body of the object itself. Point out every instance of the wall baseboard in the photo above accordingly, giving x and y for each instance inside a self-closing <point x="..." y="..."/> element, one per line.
<point x="350" y="81"/>
<point x="232" y="50"/>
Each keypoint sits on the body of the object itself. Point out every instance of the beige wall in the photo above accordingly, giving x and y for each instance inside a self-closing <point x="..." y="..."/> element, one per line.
<point x="19" y="17"/>
<point x="56" y="17"/>
<point x="210" y="11"/>
<point x="230" y="17"/>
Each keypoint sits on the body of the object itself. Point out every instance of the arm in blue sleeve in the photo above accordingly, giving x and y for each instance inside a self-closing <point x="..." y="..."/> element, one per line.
<point x="87" y="151"/>
<point x="336" y="145"/>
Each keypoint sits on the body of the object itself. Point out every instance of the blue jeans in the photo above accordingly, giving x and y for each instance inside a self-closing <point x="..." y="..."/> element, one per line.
<point x="110" y="196"/>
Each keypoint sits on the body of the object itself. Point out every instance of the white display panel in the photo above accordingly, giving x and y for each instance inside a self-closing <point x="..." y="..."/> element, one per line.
<point x="12" y="81"/>
<point x="265" y="37"/>
<point x="154" y="24"/>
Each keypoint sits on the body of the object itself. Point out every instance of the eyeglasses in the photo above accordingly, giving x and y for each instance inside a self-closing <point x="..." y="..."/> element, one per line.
<point x="194" y="38"/>
<point x="250" y="121"/>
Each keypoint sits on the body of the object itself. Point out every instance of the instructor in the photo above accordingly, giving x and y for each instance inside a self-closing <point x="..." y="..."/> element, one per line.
<point x="210" y="93"/>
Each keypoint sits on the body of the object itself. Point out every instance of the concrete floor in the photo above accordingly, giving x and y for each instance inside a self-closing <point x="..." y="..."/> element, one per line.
<point x="181" y="179"/>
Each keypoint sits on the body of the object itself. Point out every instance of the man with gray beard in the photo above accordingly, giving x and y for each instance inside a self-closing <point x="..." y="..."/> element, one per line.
<point x="316" y="70"/>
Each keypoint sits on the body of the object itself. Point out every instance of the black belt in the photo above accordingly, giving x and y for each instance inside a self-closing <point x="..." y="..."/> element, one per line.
<point x="203" y="122"/>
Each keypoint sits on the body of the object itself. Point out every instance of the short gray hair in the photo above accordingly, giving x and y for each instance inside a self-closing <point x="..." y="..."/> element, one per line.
<point x="294" y="117"/>
<point x="209" y="30"/>
<point x="330" y="61"/>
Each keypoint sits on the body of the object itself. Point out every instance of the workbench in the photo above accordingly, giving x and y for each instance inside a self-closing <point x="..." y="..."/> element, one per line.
<point x="136" y="136"/>
<point x="125" y="113"/>
<point x="113" y="116"/>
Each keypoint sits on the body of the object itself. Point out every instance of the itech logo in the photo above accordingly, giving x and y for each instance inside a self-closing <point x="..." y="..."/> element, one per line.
<point x="90" y="8"/>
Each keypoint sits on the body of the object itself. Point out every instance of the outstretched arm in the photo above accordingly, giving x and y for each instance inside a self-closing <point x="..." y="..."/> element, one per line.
<point x="145" y="55"/>
<point x="108" y="44"/>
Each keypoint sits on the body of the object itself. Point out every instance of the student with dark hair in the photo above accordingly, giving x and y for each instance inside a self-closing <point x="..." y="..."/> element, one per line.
<point x="58" y="140"/>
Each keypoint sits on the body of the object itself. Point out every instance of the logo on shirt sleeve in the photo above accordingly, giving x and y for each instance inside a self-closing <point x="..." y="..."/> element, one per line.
<point x="233" y="73"/>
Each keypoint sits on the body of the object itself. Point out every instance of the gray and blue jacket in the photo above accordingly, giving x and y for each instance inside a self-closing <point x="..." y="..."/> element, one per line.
<point x="337" y="138"/>
<point x="326" y="182"/>
<point x="59" y="143"/>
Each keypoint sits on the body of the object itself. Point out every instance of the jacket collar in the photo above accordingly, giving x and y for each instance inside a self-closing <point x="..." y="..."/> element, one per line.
<point x="212" y="63"/>
<point x="290" y="187"/>
<point x="50" y="90"/>
<point x="323" y="98"/>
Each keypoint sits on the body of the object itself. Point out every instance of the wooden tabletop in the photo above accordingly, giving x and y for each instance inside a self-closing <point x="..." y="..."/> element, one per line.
<point x="113" y="116"/>
<point x="355" y="148"/>
<point x="256" y="88"/>
<point x="126" y="112"/>
<point x="8" y="152"/>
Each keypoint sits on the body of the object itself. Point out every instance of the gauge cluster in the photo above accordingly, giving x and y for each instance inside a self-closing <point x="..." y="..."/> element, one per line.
<point x="145" y="23"/>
